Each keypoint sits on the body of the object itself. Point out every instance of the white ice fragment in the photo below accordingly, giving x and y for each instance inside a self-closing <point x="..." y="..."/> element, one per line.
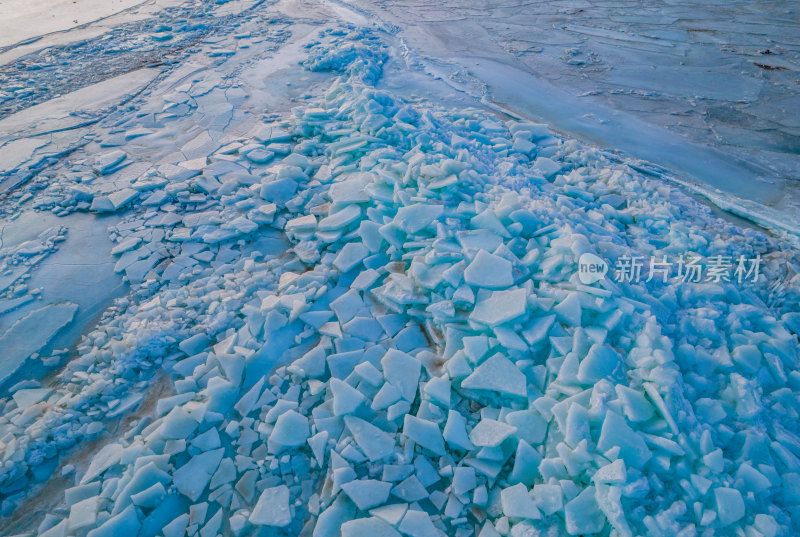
<point x="398" y="409"/>
<point x="475" y="347"/>
<point x="330" y="522"/>
<point x="272" y="508"/>
<point x="538" y="329"/>
<point x="392" y="513"/>
<point x="102" y="461"/>
<point x="126" y="245"/>
<point x="243" y="225"/>
<point x="455" y="432"/>
<point x="194" y="344"/>
<point x="368" y="527"/>
<point x="530" y="424"/>
<point x="365" y="279"/>
<point x="609" y="500"/>
<point x="569" y="310"/>
<point x="402" y="371"/>
<point x="375" y="443"/>
<point x="634" y="403"/>
<point x="259" y="155"/>
<point x="464" y="480"/>
<point x="367" y="493"/>
<point x="729" y="504"/>
<point x="517" y="502"/>
<point x="316" y="319"/>
<point x="83" y="513"/>
<point x="497" y="374"/>
<point x="341" y="364"/>
<point x="601" y="362"/>
<point x="549" y="498"/>
<point x="547" y="167"/>
<point x="500" y="307"/>
<point x="415" y="218"/>
<point x="291" y="430"/>
<point x="177" y="424"/>
<point x="81" y="492"/>
<point x="577" y="425"/>
<point x="350" y="190"/>
<point x="490" y="433"/>
<point x="526" y="464"/>
<point x="176" y="527"/>
<point x="348" y="306"/>
<point x="369" y="373"/>
<point x="340" y="219"/>
<point x="612" y="473"/>
<point x="224" y="474"/>
<point x="418" y="524"/>
<point x="766" y="525"/>
<point x="246" y="404"/>
<point x="748" y="357"/>
<point x="474" y="240"/>
<point x="279" y="191"/>
<point x="150" y="497"/>
<point x="317" y="444"/>
<point x="109" y="162"/>
<point x="661" y="405"/>
<point x="346" y="399"/>
<point x="350" y="256"/>
<point x="490" y="271"/>
<point x="311" y="364"/>
<point x="332" y="329"/>
<point x="509" y="339"/>
<point x="265" y="133"/>
<point x="122" y="197"/>
<point x="751" y="479"/>
<point x="29" y="397"/>
<point x="487" y="220"/>
<point x="424" y="433"/>
<point x="124" y="523"/>
<point x="488" y="530"/>
<point x="583" y="515"/>
<point x="617" y="433"/>
<point x="192" y="478"/>
<point x="301" y="223"/>
<point x="438" y="389"/>
<point x="410" y="490"/>
<point x="207" y="441"/>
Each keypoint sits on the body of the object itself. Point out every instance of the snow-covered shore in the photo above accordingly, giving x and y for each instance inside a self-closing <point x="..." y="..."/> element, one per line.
<point x="345" y="299"/>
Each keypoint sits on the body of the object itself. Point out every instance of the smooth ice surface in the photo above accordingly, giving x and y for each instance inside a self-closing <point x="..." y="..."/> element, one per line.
<point x="648" y="79"/>
<point x="51" y="16"/>
<point x="31" y="333"/>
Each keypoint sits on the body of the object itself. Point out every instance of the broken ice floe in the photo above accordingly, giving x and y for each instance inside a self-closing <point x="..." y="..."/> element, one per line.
<point x="423" y="360"/>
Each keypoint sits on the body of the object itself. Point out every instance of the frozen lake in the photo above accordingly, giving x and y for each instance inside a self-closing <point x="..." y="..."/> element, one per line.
<point x="339" y="268"/>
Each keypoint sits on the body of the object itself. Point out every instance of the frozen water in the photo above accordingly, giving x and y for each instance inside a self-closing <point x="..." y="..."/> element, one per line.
<point x="351" y="309"/>
<point x="497" y="374"/>
<point x="31" y="333"/>
<point x="272" y="508"/>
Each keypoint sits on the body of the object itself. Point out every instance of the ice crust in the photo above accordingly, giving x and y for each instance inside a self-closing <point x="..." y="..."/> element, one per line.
<point x="414" y="353"/>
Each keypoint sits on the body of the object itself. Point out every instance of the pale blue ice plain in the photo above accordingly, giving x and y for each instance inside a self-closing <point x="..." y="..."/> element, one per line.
<point x="311" y="269"/>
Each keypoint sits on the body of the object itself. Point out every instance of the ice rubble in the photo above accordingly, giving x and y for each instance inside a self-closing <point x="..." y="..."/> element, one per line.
<point x="423" y="360"/>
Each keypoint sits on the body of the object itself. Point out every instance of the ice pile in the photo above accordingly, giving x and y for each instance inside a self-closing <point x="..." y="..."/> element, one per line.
<point x="419" y="357"/>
